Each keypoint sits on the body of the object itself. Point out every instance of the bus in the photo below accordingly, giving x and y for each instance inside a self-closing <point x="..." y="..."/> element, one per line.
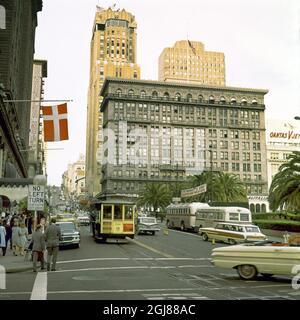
<point x="183" y="215"/>
<point x="209" y="217"/>
<point x="113" y="221"/>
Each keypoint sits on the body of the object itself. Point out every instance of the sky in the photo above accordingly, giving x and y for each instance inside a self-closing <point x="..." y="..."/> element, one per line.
<point x="260" y="40"/>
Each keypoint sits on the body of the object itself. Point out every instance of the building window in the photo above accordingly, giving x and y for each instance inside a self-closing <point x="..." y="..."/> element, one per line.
<point x="177" y="96"/>
<point x="143" y="94"/>
<point x="154" y="95"/>
<point x="119" y="92"/>
<point x="166" y="96"/>
<point x="200" y="97"/>
<point x="189" y="97"/>
<point x="130" y="93"/>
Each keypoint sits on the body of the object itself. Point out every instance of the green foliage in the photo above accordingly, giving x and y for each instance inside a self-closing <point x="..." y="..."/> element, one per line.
<point x="221" y="187"/>
<point x="156" y="195"/>
<point x="281" y="225"/>
<point x="285" y="187"/>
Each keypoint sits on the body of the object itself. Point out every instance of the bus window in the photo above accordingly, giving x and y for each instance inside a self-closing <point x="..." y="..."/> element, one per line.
<point x="128" y="212"/>
<point x="118" y="212"/>
<point x="233" y="216"/>
<point x="107" y="211"/>
<point x="244" y="216"/>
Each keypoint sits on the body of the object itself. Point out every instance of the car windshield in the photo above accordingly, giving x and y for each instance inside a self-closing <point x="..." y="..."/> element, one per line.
<point x="252" y="229"/>
<point x="67" y="226"/>
<point x="147" y="220"/>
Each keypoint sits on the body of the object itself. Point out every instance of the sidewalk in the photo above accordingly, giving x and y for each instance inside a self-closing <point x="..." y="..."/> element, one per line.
<point x="13" y="264"/>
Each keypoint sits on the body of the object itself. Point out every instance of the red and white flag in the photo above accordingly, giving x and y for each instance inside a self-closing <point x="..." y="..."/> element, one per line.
<point x="55" y="122"/>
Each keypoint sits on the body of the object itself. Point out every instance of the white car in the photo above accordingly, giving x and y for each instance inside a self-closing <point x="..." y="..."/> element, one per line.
<point x="147" y="224"/>
<point x="266" y="257"/>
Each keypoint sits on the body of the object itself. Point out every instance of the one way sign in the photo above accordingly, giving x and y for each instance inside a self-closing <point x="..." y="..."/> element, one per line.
<point x="36" y="196"/>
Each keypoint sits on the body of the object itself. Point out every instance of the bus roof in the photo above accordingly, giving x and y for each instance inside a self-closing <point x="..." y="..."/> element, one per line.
<point x="195" y="205"/>
<point x="226" y="209"/>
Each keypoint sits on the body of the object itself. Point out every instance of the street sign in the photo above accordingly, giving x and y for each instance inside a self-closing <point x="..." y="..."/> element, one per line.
<point x="193" y="191"/>
<point x="36" y="195"/>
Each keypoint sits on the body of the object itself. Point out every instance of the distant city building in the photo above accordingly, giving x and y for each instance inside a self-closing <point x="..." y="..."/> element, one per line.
<point x="36" y="151"/>
<point x="283" y="137"/>
<point x="163" y="132"/>
<point x="188" y="62"/>
<point x="113" y="53"/>
<point x="73" y="180"/>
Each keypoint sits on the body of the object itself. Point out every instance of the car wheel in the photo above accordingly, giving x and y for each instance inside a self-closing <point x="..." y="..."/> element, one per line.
<point x="77" y="245"/>
<point x="267" y="275"/>
<point x="231" y="241"/>
<point x="247" y="272"/>
<point x="153" y="233"/>
<point x="204" y="236"/>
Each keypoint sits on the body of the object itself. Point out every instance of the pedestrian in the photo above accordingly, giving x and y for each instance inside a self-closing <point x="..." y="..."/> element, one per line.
<point x="8" y="233"/>
<point x="38" y="247"/>
<point x="23" y="238"/>
<point x="16" y="237"/>
<point x="2" y="238"/>
<point x="28" y="222"/>
<point x="52" y="236"/>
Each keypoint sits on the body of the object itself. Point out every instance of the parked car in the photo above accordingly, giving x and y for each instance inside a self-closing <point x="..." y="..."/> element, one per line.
<point x="232" y="233"/>
<point x="70" y="235"/>
<point x="265" y="257"/>
<point x="147" y="224"/>
<point x="83" y="219"/>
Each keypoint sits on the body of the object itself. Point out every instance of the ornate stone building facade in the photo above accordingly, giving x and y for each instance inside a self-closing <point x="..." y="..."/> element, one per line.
<point x="16" y="63"/>
<point x="158" y="131"/>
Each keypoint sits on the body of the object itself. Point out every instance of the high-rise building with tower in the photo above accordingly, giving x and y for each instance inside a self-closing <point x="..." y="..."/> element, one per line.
<point x="113" y="54"/>
<point x="188" y="62"/>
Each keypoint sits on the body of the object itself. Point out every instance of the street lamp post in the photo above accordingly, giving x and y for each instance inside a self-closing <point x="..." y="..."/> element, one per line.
<point x="211" y="172"/>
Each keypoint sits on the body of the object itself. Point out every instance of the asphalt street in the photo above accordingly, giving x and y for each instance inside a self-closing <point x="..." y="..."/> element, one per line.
<point x="173" y="266"/>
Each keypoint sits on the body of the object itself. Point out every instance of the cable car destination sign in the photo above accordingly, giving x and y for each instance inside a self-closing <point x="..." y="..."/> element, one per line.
<point x="36" y="196"/>
<point x="194" y="191"/>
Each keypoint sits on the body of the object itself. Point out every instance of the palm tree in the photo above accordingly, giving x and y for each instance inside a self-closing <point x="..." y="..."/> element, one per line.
<point x="155" y="195"/>
<point x="285" y="187"/>
<point x="230" y="188"/>
<point x="221" y="187"/>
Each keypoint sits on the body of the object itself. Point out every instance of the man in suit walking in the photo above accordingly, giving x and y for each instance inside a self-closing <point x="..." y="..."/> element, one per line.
<point x="52" y="235"/>
<point x="38" y="247"/>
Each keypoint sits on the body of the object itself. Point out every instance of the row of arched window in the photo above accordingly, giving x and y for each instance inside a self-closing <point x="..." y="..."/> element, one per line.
<point x="189" y="97"/>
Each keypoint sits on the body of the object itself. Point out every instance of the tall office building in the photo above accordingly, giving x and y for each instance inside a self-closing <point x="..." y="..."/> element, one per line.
<point x="164" y="132"/>
<point x="113" y="53"/>
<point x="188" y="62"/>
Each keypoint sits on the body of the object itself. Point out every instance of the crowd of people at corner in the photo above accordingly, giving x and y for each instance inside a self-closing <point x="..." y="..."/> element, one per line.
<point x="17" y="231"/>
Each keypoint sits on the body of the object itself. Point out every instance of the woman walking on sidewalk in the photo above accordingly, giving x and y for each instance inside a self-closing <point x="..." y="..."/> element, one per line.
<point x="2" y="238"/>
<point x="23" y="238"/>
<point x="16" y="238"/>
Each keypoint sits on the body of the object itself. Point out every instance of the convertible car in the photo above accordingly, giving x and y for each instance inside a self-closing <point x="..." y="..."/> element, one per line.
<point x="265" y="257"/>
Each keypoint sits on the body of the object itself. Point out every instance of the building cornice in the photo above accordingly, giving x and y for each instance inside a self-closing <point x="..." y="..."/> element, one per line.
<point x="179" y="85"/>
